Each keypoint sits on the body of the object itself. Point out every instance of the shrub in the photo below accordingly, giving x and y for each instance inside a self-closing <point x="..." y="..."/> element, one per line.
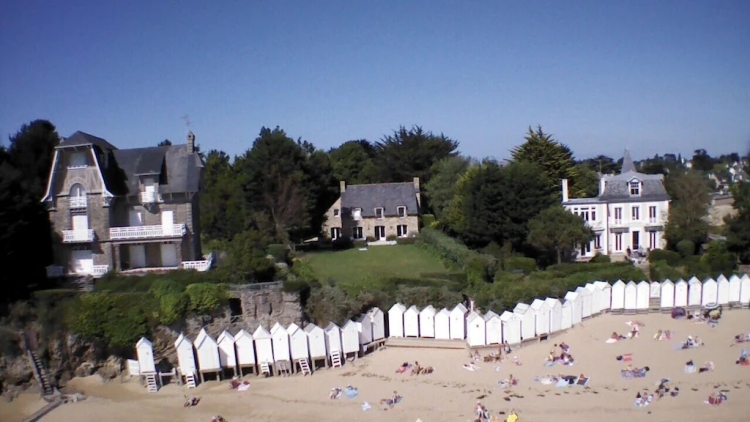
<point x="279" y="252"/>
<point x="391" y="237"/>
<point x="371" y="238"/>
<point x="661" y="270"/>
<point x="671" y="258"/>
<point x="407" y="240"/>
<point x="600" y="259"/>
<point x="519" y="263"/>
<point x="719" y="259"/>
<point x="172" y="301"/>
<point x="206" y="298"/>
<point x="686" y="248"/>
<point x="428" y="220"/>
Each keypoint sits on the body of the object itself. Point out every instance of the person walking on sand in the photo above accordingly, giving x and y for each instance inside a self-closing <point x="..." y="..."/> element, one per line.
<point x="512" y="417"/>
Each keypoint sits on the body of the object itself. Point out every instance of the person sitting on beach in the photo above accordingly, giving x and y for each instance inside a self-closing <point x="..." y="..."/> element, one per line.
<point x="658" y="335"/>
<point x="564" y="347"/>
<point x="427" y="370"/>
<point x="506" y="348"/>
<point x="512" y="417"/>
<point x="689" y="342"/>
<point x="477" y="357"/>
<point x="551" y="358"/>
<point x="234" y="383"/>
<point x="617" y="337"/>
<point x="512" y="380"/>
<point x="416" y="368"/>
<point x="707" y="367"/>
<point x="517" y="361"/>
<point x="218" y="418"/>
<point x="192" y="401"/>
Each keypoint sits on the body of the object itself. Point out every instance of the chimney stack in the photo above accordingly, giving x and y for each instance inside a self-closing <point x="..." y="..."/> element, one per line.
<point x="342" y="185"/>
<point x="565" y="190"/>
<point x="416" y="184"/>
<point x="190" y="142"/>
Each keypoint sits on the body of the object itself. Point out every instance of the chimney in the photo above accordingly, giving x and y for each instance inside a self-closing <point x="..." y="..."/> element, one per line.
<point x="416" y="190"/>
<point x="342" y="185"/>
<point x="190" y="142"/>
<point x="565" y="190"/>
<point x="416" y="184"/>
<point x="602" y="185"/>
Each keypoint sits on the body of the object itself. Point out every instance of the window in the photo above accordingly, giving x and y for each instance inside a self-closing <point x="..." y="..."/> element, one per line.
<point x="652" y="214"/>
<point x="335" y="212"/>
<point x="77" y="197"/>
<point x="357" y="214"/>
<point x="379" y="213"/>
<point x="77" y="160"/>
<point x="635" y="188"/>
<point x="584" y="214"/>
<point x="401" y="212"/>
<point x="585" y="249"/>
<point x="380" y="232"/>
<point x="618" y="215"/>
<point x="598" y="241"/>
<point x="401" y="230"/>
<point x="335" y="233"/>
<point x="636" y="213"/>
<point x="653" y="241"/>
<point x="593" y="214"/>
<point x="618" y="242"/>
<point x="357" y="233"/>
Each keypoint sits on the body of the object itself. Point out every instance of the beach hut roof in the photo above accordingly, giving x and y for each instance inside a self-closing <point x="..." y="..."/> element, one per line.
<point x="644" y="282"/>
<point x="144" y="341"/>
<point x="261" y="333"/>
<point x="444" y="312"/>
<point x="292" y="328"/>
<point x="348" y="324"/>
<point x="225" y="335"/>
<point x="374" y="311"/>
<point x="521" y="308"/>
<point x="399" y="306"/>
<point x="537" y="304"/>
<point x="720" y="278"/>
<point x="489" y="315"/>
<point x="460" y="307"/>
<point x="243" y="334"/>
<point x="508" y="316"/>
<point x="202" y="337"/>
<point x="571" y="296"/>
<point x="309" y="328"/>
<point x="472" y="316"/>
<point x="734" y="277"/>
<point x="332" y="326"/>
<point x="551" y="302"/>
<point x="429" y="309"/>
<point x="667" y="281"/>
<point x="681" y="281"/>
<point x="363" y="318"/>
<point x="277" y="327"/>
<point x="694" y="280"/>
<point x="600" y="284"/>
<point x="631" y="282"/>
<point x="413" y="308"/>
<point x="619" y="282"/>
<point x="180" y="339"/>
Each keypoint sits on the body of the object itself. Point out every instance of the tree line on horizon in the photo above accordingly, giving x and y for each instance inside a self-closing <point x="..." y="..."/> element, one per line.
<point x="278" y="190"/>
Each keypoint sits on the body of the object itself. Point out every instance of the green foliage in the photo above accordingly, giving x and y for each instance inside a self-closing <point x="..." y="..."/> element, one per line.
<point x="428" y="220"/>
<point x="205" y="299"/>
<point x="738" y="226"/>
<point x="686" y="248"/>
<point x="246" y="260"/>
<point x="172" y="300"/>
<point x="661" y="270"/>
<point x="114" y="319"/>
<point x="600" y="259"/>
<point x="410" y="153"/>
<point x="279" y="252"/>
<point x="719" y="259"/>
<point x="354" y="162"/>
<point x="671" y="258"/>
<point x="519" y="264"/>
<point x="556" y="229"/>
<point x="691" y="198"/>
<point x="441" y="188"/>
<point x="407" y="240"/>
<point x="554" y="158"/>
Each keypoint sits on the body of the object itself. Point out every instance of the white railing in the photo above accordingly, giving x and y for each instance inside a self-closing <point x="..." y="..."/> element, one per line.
<point x="77" y="236"/>
<point x="78" y="166"/>
<point x="100" y="270"/>
<point x="201" y="266"/>
<point x="595" y="224"/>
<point x="150" y="197"/>
<point x="78" y="202"/>
<point x="147" y="232"/>
<point x="55" y="271"/>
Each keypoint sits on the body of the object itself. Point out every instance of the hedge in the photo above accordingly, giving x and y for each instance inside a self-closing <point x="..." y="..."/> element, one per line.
<point x="478" y="267"/>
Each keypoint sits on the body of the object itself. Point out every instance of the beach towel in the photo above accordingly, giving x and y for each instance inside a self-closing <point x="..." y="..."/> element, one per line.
<point x="351" y="392"/>
<point x="243" y="387"/>
<point x="689" y="369"/>
<point x="391" y="402"/>
<point x="472" y="368"/>
<point x="366" y="406"/>
<point x="643" y="402"/>
<point x="611" y="340"/>
<point x="547" y="381"/>
<point x="582" y="381"/>
<point x="403" y="369"/>
<point x="562" y="383"/>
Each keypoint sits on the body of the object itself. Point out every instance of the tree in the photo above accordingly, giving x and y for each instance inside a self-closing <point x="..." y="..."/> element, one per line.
<point x="286" y="204"/>
<point x="555" y="159"/>
<point x="588" y="182"/>
<point x="691" y="198"/>
<point x="702" y="161"/>
<point x="557" y="230"/>
<point x="441" y="188"/>
<point x="454" y="217"/>
<point x="353" y="162"/>
<point x="410" y="153"/>
<point x="165" y="143"/>
<point x="246" y="260"/>
<point x="222" y="203"/>
<point x="738" y="226"/>
<point x="602" y="164"/>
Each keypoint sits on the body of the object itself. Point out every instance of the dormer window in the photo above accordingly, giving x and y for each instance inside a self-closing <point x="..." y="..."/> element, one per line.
<point x="150" y="191"/>
<point x="401" y="212"/>
<point x="357" y="214"/>
<point x="379" y="213"/>
<point x="77" y="160"/>
<point x="635" y="188"/>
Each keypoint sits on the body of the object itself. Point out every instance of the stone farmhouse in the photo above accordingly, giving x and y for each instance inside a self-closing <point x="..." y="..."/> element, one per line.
<point x="375" y="212"/>
<point x="628" y="215"/>
<point x="125" y="210"/>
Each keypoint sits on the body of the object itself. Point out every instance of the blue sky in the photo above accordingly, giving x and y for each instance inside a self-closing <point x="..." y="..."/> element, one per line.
<point x="666" y="76"/>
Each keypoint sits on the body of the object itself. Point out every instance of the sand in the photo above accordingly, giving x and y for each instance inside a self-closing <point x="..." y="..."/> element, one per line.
<point x="450" y="393"/>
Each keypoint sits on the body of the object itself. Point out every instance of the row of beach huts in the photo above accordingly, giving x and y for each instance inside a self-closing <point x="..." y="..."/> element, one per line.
<point x="285" y="350"/>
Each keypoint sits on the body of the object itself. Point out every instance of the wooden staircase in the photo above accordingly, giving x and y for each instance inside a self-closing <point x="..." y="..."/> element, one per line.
<point x="265" y="369"/>
<point x="304" y="366"/>
<point x="336" y="359"/>
<point x="151" y="383"/>
<point x="654" y="304"/>
<point x="190" y="380"/>
<point x="40" y="373"/>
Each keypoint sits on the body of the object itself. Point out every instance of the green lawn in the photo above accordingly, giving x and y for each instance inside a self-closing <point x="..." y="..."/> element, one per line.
<point x="352" y="266"/>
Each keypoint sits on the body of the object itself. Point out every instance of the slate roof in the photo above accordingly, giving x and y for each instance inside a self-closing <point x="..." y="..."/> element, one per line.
<point x="82" y="138"/>
<point x="388" y="196"/>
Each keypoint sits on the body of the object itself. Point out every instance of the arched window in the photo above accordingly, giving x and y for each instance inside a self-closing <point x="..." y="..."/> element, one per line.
<point x="77" y="190"/>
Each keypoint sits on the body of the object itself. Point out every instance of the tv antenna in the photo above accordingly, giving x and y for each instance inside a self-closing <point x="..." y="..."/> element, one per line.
<point x="186" y="119"/>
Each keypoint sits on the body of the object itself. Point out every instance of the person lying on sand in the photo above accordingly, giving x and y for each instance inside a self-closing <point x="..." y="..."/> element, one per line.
<point x="742" y="338"/>
<point x="191" y="401"/>
<point x="707" y="367"/>
<point x="617" y="337"/>
<point x="218" y="418"/>
<point x="335" y="393"/>
<point x="403" y="368"/>
<point x="743" y="360"/>
<point x="627" y="357"/>
<point x="395" y="398"/>
<point x="471" y="367"/>
<point x="427" y="370"/>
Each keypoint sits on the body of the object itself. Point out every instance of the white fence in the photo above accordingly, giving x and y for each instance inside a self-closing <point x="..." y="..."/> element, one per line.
<point x="294" y="345"/>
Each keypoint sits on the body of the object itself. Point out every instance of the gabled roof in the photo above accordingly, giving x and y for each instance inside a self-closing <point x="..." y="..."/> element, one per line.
<point x="388" y="196"/>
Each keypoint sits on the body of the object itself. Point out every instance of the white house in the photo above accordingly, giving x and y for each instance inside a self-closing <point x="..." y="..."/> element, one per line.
<point x="629" y="213"/>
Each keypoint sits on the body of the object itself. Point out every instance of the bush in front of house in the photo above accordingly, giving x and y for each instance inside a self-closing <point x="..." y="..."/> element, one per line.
<point x="520" y="264"/>
<point x="428" y="220"/>
<point x="279" y="252"/>
<point x="478" y="267"/>
<point x="672" y="258"/>
<point x="407" y="240"/>
<point x="686" y="248"/>
<point x="391" y="237"/>
<point x="600" y="259"/>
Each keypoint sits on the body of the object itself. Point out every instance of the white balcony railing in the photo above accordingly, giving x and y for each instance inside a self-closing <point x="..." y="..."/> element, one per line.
<point x="199" y="265"/>
<point x="78" y="236"/>
<point x="78" y="202"/>
<point x="150" y="197"/>
<point x="147" y="232"/>
<point x="100" y="270"/>
<point x="595" y="224"/>
<point x="55" y="271"/>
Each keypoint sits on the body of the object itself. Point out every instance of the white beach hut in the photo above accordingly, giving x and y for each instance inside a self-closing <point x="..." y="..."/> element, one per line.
<point x="666" y="298"/>
<point x="227" y="353"/>
<point x="528" y="320"/>
<point x="695" y="292"/>
<point x="655" y="290"/>
<point x="144" y="349"/>
<point x="618" y="296"/>
<point x="458" y="322"/>
<point x="566" y="315"/>
<point x="541" y="312"/>
<point x="364" y="328"/>
<point x="208" y="354"/>
<point x="396" y="320"/>
<point x="476" y="331"/>
<point x="493" y="328"/>
<point x="577" y="303"/>
<point x="264" y="349"/>
<point x="511" y="327"/>
<point x="555" y="314"/>
<point x="443" y="325"/>
<point x="350" y="339"/>
<point x="186" y="359"/>
<point x="586" y="297"/>
<point x="735" y="285"/>
<point x="605" y="302"/>
<point x="333" y="341"/>
<point x="282" y="356"/>
<point x="597" y="298"/>
<point x="680" y="293"/>
<point x="411" y="322"/>
<point x="631" y="296"/>
<point x="378" y="323"/>
<point x="710" y="292"/>
<point x="745" y="290"/>
<point x="245" y="346"/>
<point x="316" y="339"/>
<point x="722" y="290"/>
<point x="298" y="345"/>
<point x="427" y="322"/>
<point x="642" y="296"/>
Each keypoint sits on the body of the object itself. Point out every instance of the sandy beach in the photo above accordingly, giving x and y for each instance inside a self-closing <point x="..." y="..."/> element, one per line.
<point x="450" y="393"/>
